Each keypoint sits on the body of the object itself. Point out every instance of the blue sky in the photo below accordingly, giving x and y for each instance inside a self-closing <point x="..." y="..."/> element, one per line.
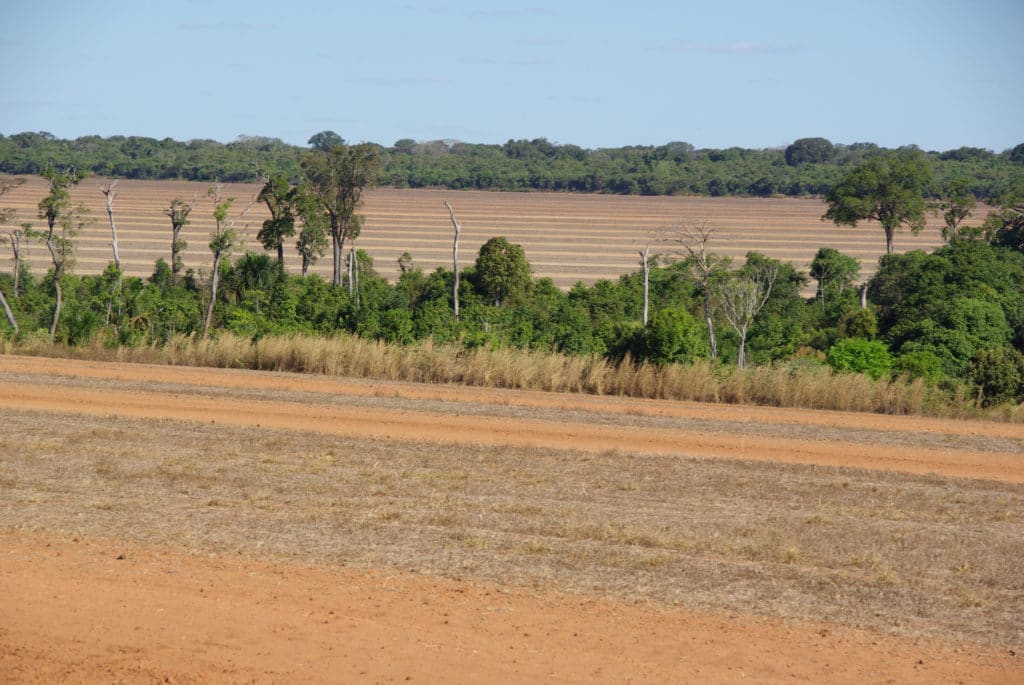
<point x="597" y="74"/>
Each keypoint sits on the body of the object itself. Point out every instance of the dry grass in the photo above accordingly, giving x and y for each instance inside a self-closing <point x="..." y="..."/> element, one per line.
<point x="797" y="384"/>
<point x="914" y="555"/>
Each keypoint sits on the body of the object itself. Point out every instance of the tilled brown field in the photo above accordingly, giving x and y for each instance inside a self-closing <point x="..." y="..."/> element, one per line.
<point x="567" y="237"/>
<point x="197" y="525"/>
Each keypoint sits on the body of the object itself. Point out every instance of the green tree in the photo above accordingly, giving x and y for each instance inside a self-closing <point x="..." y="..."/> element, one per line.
<point x="337" y="177"/>
<point x="834" y="271"/>
<point x="1017" y="154"/>
<point x="810" y="151"/>
<point x="63" y="223"/>
<point x="887" y="188"/>
<point x="312" y="242"/>
<point x="325" y="140"/>
<point x="502" y="271"/>
<point x="956" y="204"/>
<point x="1005" y="226"/>
<point x="222" y="241"/>
<point x="280" y="198"/>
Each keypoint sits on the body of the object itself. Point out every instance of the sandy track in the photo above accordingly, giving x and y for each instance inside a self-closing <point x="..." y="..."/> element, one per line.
<point x="178" y="393"/>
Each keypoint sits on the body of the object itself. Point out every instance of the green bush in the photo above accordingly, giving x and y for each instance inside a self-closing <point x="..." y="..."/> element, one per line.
<point x="920" y="364"/>
<point x="999" y="375"/>
<point x="857" y="355"/>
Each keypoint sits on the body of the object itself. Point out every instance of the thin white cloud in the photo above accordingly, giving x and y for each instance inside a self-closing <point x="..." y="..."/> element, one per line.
<point x="741" y="47"/>
<point x="223" y="26"/>
<point x="512" y="12"/>
<point x="540" y="41"/>
<point x="398" y="82"/>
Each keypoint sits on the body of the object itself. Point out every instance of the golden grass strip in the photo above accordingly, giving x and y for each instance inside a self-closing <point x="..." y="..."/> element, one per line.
<point x="801" y="385"/>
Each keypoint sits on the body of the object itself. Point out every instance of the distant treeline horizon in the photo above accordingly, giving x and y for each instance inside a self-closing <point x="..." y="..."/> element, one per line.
<point x="807" y="167"/>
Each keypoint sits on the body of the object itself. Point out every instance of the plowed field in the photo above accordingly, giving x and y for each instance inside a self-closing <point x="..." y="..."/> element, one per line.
<point x="567" y="237"/>
<point x="201" y="525"/>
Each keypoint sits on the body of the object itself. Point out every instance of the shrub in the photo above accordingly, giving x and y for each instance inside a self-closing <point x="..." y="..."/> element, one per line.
<point x="857" y="355"/>
<point x="999" y="375"/>
<point x="920" y="364"/>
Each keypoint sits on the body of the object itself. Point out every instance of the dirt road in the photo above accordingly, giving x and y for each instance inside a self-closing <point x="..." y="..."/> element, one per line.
<point x="974" y="449"/>
<point x="101" y="608"/>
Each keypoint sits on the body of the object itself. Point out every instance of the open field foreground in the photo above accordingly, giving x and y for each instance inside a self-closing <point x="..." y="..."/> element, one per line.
<point x="567" y="237"/>
<point x="204" y="525"/>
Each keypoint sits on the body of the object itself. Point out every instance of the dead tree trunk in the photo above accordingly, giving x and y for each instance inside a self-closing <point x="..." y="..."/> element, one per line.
<point x="8" y="312"/>
<point x="214" y="282"/>
<point x="58" y="270"/>
<point x="349" y="267"/>
<point x="15" y="239"/>
<point x="864" y="296"/>
<point x="178" y="213"/>
<point x="645" y="261"/>
<point x="455" y="259"/>
<point x="109" y="193"/>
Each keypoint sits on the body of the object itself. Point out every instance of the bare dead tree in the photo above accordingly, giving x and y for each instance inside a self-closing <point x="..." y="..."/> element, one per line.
<point x="8" y="312"/>
<point x="9" y="216"/>
<point x="222" y="240"/>
<point x="693" y="241"/>
<point x="455" y="258"/>
<point x="352" y="273"/>
<point x="739" y="298"/>
<point x="178" y="213"/>
<point x="110" y="195"/>
<point x="13" y="238"/>
<point x="645" y="262"/>
<point x="355" y="273"/>
<point x="350" y="268"/>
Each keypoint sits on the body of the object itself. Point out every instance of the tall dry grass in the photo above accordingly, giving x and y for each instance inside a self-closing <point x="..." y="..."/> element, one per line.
<point x="800" y="383"/>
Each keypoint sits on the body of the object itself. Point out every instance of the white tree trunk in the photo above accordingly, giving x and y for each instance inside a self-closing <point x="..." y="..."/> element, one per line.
<point x="109" y="193"/>
<point x="644" y="256"/>
<point x="455" y="259"/>
<point x="8" y="312"/>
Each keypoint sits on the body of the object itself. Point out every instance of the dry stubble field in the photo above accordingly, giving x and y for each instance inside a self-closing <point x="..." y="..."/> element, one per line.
<point x="567" y="237"/>
<point x="196" y="525"/>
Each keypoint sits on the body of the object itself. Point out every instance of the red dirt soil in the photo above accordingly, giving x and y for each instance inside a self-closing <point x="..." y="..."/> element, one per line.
<point x="93" y="610"/>
<point x="102" y="611"/>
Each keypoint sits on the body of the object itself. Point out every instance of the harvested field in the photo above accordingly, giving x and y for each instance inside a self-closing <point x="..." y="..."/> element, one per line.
<point x="230" y="525"/>
<point x="567" y="237"/>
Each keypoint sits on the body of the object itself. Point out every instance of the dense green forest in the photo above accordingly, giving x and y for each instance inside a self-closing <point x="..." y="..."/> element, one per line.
<point x="809" y="166"/>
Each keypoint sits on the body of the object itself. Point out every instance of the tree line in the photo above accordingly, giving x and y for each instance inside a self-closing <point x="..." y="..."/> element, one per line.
<point x="809" y="166"/>
<point x="953" y="317"/>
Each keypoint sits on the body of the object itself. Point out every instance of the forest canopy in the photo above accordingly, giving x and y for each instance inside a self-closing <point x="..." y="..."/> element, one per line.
<point x="809" y="166"/>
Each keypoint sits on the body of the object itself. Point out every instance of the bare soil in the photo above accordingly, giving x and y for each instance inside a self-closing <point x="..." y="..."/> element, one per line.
<point x="197" y="525"/>
<point x="567" y="237"/>
<point x="96" y="611"/>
